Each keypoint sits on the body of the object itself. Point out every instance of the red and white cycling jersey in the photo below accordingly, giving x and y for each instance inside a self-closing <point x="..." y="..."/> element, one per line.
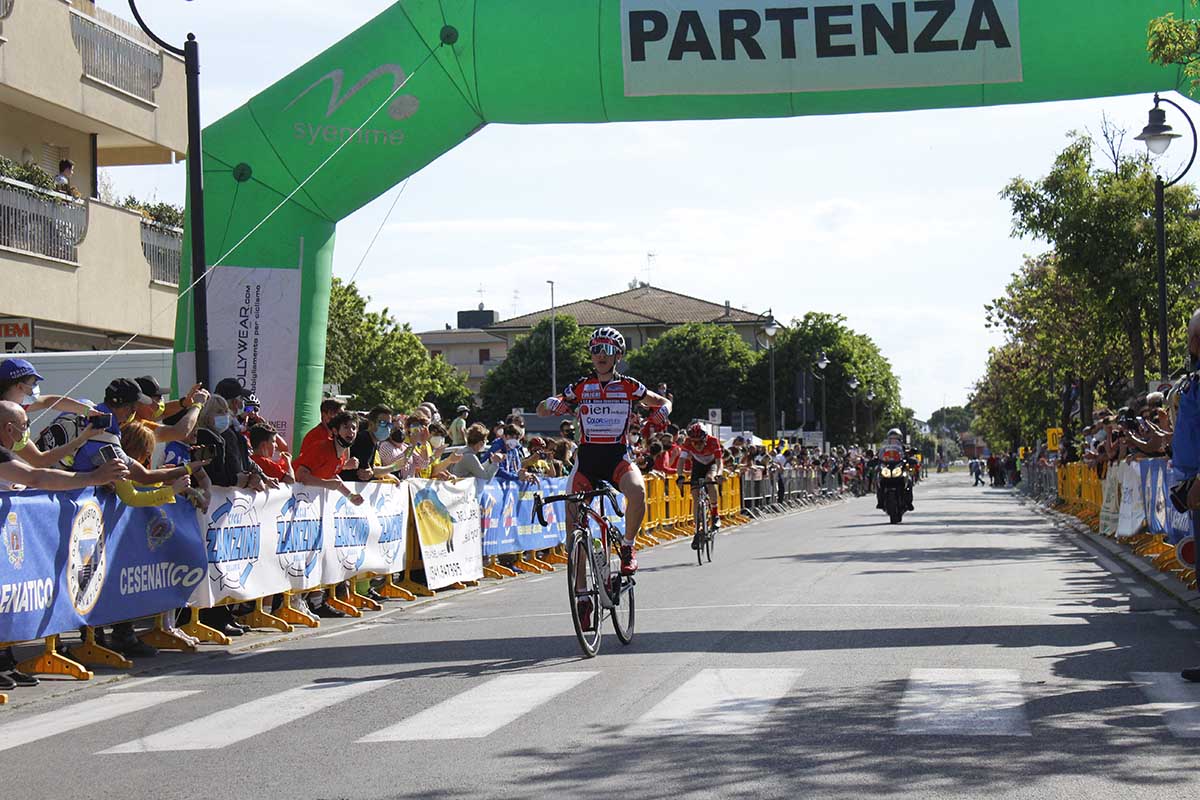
<point x="604" y="410"/>
<point x="891" y="453"/>
<point x="706" y="453"/>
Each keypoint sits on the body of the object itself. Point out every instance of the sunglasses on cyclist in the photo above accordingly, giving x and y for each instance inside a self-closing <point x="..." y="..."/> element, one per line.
<point x="606" y="349"/>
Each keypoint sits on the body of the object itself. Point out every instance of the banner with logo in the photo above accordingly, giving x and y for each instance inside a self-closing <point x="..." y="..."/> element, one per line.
<point x="1132" y="513"/>
<point x="85" y="558"/>
<point x="448" y="527"/>
<point x="1110" y="508"/>
<point x="530" y="533"/>
<point x="1154" y="497"/>
<point x="497" y="517"/>
<point x="253" y="335"/>
<point x="262" y="543"/>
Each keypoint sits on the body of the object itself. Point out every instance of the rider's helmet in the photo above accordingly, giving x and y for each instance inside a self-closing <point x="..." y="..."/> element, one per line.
<point x="607" y="340"/>
<point x="895" y="433"/>
<point x="696" y="431"/>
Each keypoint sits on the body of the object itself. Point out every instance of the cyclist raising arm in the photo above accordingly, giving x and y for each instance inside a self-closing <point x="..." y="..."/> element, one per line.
<point x="604" y="403"/>
<point x="702" y="453"/>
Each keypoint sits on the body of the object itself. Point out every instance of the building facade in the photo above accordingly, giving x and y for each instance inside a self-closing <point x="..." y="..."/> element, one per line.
<point x="81" y="84"/>
<point x="472" y="351"/>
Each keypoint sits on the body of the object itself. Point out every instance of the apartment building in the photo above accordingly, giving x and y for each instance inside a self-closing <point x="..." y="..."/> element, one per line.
<point x="79" y="83"/>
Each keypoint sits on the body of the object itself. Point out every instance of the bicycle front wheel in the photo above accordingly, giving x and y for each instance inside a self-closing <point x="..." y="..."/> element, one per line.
<point x="583" y="588"/>
<point x="701" y="533"/>
<point x="623" y="614"/>
<point x="709" y="540"/>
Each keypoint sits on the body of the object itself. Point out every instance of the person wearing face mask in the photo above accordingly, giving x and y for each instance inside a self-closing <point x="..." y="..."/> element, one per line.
<point x="321" y="465"/>
<point x="237" y="446"/>
<point x="477" y="463"/>
<point x="225" y="468"/>
<point x="19" y="384"/>
<point x="120" y="399"/>
<point x="154" y="412"/>
<point x="371" y="433"/>
<point x="511" y="469"/>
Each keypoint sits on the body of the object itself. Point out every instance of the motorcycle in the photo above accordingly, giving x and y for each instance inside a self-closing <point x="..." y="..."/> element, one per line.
<point x="895" y="484"/>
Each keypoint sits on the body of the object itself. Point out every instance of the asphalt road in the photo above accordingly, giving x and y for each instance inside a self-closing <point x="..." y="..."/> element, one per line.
<point x="973" y="651"/>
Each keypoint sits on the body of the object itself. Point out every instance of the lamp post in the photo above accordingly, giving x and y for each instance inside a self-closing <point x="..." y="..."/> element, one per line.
<point x="822" y="363"/>
<point x="771" y="329"/>
<point x="553" y="345"/>
<point x="871" y="416"/>
<point x="195" y="157"/>
<point x="1158" y="136"/>
<point x="853" y="384"/>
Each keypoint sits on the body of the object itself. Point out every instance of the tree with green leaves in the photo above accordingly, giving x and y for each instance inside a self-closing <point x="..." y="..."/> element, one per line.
<point x="1016" y="400"/>
<point x="704" y="365"/>
<point x="1176" y="41"/>
<point x="798" y="347"/>
<point x="377" y="360"/>
<point x="952" y="420"/>
<point x="523" y="380"/>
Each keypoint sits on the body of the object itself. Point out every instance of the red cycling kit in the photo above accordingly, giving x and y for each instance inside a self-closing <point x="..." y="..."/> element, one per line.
<point x="605" y="411"/>
<point x="701" y="457"/>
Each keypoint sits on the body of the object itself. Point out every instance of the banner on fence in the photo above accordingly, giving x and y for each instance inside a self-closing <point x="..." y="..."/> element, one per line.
<point x="448" y="528"/>
<point x="85" y="558"/>
<point x="1154" y="488"/>
<point x="1110" y="509"/>
<point x="1132" y="513"/>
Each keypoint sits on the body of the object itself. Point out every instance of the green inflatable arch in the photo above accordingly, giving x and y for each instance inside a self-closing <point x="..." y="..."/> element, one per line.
<point x="350" y="117"/>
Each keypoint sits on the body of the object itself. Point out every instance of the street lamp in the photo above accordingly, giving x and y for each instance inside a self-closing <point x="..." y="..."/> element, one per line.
<point x="1158" y="136"/>
<point x="553" y="345"/>
<point x="822" y="363"/>
<point x="195" y="156"/>
<point x="854" y="384"/>
<point x="871" y="416"/>
<point x="771" y="329"/>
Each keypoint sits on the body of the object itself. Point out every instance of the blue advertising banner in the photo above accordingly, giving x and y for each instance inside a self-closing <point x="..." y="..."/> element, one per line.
<point x="530" y="533"/>
<point x="85" y="558"/>
<point x="497" y="513"/>
<point x="1154" y="494"/>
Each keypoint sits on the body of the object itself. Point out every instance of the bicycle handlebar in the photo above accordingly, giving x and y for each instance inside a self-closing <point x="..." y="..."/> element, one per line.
<point x="540" y="502"/>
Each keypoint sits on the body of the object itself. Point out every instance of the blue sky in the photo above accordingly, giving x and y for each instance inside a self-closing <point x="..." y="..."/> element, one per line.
<point x="893" y="220"/>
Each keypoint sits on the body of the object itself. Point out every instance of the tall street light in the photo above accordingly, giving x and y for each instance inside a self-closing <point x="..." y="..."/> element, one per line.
<point x="1158" y="136"/>
<point x="771" y="329"/>
<point x="553" y="345"/>
<point x="871" y="416"/>
<point x="195" y="158"/>
<point x="822" y="363"/>
<point x="854" y="384"/>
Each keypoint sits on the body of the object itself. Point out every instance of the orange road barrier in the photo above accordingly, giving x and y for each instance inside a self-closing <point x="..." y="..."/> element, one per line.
<point x="162" y="635"/>
<point x="93" y="654"/>
<point x="260" y="618"/>
<point x="52" y="662"/>
<point x="297" y="614"/>
<point x="198" y="630"/>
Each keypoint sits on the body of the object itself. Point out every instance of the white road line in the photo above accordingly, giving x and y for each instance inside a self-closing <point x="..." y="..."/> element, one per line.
<point x="1127" y="580"/>
<point x="492" y="591"/>
<point x="1183" y="624"/>
<point x="481" y="711"/>
<point x="717" y="702"/>
<point x="538" y="580"/>
<point x="424" y="609"/>
<point x="136" y="683"/>
<point x="963" y="702"/>
<point x="342" y="632"/>
<point x="80" y="715"/>
<point x="253" y="653"/>
<point x="1176" y="699"/>
<point x="239" y="723"/>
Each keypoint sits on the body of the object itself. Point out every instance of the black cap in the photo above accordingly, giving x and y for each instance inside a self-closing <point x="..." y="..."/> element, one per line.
<point x="231" y="389"/>
<point x="122" y="392"/>
<point x="149" y="386"/>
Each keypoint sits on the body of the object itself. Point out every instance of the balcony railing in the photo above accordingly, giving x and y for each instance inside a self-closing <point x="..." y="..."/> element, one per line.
<point x="116" y="54"/>
<point x="39" y="221"/>
<point x="163" y="248"/>
<point x="6" y="8"/>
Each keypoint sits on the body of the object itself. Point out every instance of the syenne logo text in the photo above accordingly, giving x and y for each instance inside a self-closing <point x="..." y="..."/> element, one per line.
<point x="400" y="108"/>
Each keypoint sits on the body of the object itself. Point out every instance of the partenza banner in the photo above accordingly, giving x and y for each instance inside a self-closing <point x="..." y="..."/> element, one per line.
<point x="84" y="558"/>
<point x="723" y="47"/>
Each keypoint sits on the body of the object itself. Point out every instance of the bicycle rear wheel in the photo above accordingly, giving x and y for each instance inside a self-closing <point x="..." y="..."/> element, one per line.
<point x="579" y="561"/>
<point x="623" y="614"/>
<point x="710" y="538"/>
<point x="702" y="532"/>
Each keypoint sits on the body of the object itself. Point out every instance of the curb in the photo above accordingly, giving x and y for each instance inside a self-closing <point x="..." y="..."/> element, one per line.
<point x="1089" y="540"/>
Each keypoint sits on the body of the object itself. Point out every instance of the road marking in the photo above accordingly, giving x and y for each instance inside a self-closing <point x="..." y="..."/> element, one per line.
<point x="718" y="702"/>
<point x="102" y="709"/>
<point x="1173" y="697"/>
<point x="342" y="632"/>
<point x="1127" y="580"/>
<point x="137" y="683"/>
<point x="1183" y="624"/>
<point x="492" y="591"/>
<point x="424" y="610"/>
<point x="963" y="702"/>
<point x="481" y="711"/>
<point x="253" y="653"/>
<point x="538" y="580"/>
<point x="239" y="723"/>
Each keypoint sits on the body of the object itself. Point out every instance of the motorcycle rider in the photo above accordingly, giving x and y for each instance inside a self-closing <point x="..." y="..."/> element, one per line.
<point x="891" y="454"/>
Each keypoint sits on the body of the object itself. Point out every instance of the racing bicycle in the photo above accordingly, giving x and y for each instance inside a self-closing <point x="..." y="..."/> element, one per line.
<point x="593" y="564"/>
<point x="705" y="535"/>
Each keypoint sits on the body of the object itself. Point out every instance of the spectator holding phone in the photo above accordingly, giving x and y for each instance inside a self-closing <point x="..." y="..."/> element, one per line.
<point x="120" y="399"/>
<point x="186" y="409"/>
<point x="14" y="427"/>
<point x="226" y="467"/>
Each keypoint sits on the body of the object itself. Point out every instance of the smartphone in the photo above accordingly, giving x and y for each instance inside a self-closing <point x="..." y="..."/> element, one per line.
<point x="102" y="421"/>
<point x="105" y="454"/>
<point x="202" y="453"/>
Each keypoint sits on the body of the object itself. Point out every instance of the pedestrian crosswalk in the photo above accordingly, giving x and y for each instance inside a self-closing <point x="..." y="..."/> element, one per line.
<point x="708" y="702"/>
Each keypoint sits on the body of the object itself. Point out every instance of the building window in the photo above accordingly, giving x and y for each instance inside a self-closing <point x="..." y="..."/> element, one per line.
<point x="485" y="355"/>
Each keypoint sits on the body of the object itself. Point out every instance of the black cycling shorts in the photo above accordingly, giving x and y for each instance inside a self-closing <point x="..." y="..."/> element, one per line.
<point x="599" y="462"/>
<point x="700" y="471"/>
